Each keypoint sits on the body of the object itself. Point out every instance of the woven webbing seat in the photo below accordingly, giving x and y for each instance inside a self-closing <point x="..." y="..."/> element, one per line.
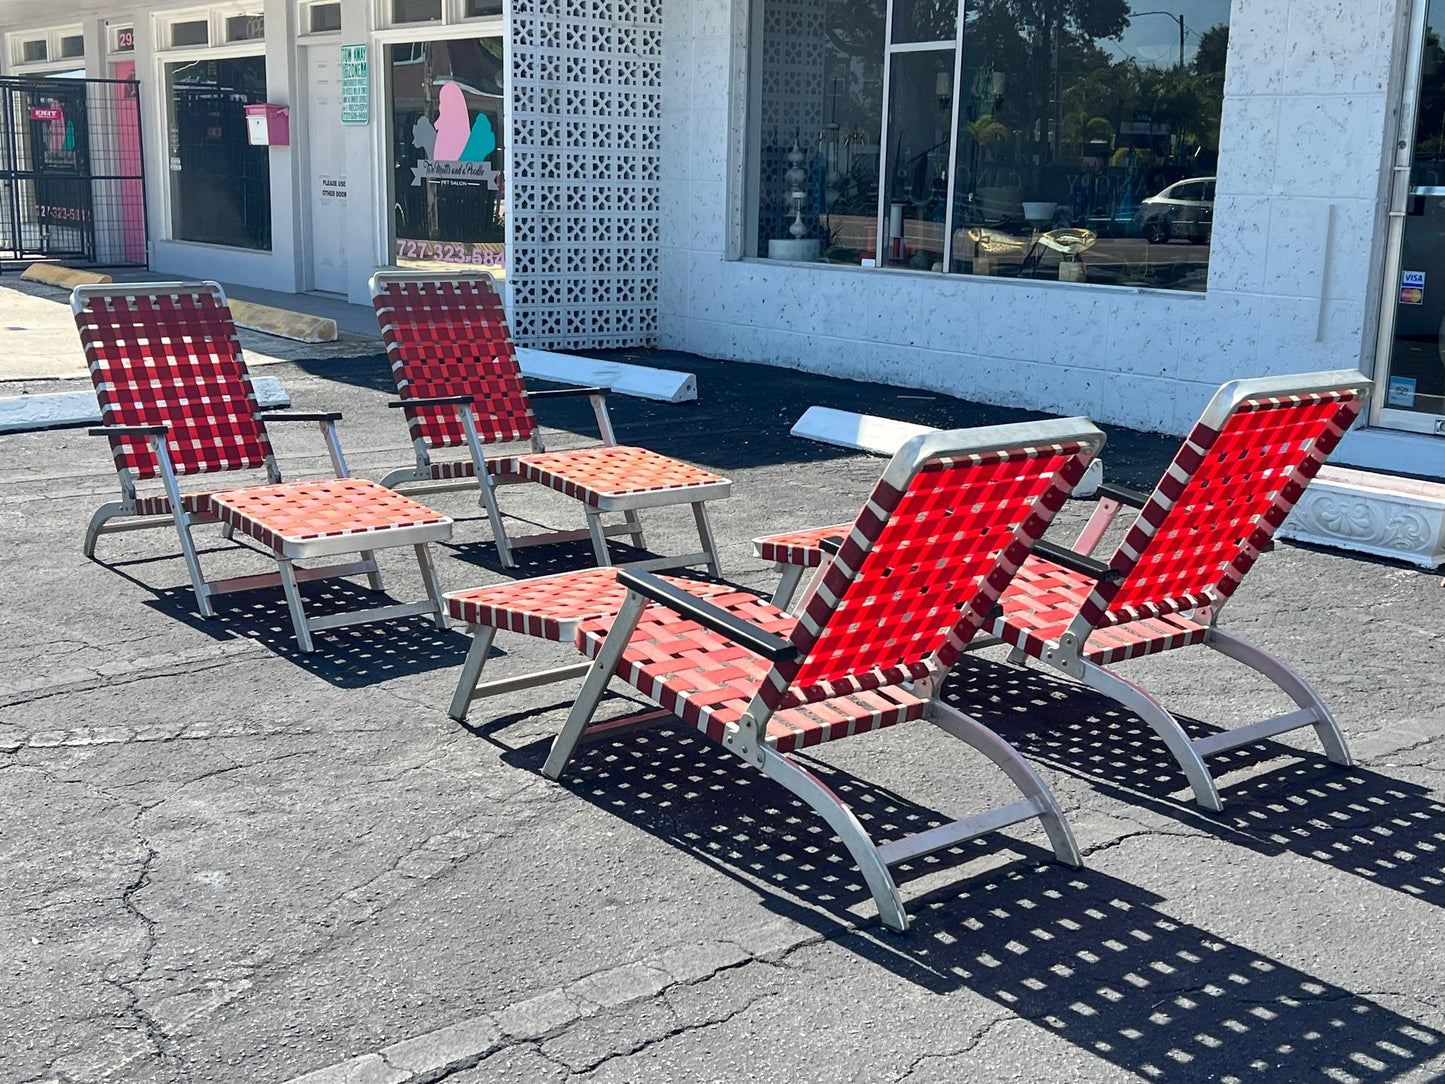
<point x="176" y="399"/>
<point x="460" y="387"/>
<point x="1232" y="483"/>
<point x="1044" y="598"/>
<point x="544" y="607"/>
<point x="915" y="577"/>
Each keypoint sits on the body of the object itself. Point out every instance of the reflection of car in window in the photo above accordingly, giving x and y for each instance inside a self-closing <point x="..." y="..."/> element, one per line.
<point x="1184" y="210"/>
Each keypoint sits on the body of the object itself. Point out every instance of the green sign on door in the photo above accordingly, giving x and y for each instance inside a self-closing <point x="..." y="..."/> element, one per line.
<point x="355" y="85"/>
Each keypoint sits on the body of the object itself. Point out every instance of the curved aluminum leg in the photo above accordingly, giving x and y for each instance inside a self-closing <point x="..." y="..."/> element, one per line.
<point x="1294" y="686"/>
<point x="807" y="786"/>
<point x="228" y="532"/>
<point x="1020" y="772"/>
<point x="401" y="477"/>
<point x="104" y="514"/>
<point x="1164" y="724"/>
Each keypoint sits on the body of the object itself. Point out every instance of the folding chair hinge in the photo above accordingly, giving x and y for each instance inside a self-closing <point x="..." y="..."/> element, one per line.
<point x="742" y="738"/>
<point x="1064" y="653"/>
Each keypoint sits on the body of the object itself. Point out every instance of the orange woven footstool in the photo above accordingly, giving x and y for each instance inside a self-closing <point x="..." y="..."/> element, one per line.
<point x="624" y="479"/>
<point x="548" y="608"/>
<point x="304" y="520"/>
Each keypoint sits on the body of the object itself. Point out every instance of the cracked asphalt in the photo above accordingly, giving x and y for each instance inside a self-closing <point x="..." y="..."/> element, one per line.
<point x="221" y="860"/>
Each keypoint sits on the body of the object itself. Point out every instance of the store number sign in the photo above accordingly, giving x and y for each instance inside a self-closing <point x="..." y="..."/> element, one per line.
<point x="355" y="85"/>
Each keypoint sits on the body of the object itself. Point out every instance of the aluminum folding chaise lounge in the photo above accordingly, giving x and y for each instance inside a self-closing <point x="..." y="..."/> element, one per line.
<point x="456" y="373"/>
<point x="1233" y="482"/>
<point x="914" y="579"/>
<point x="176" y="399"/>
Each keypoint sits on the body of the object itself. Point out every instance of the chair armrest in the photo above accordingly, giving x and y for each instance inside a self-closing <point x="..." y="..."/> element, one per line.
<point x="760" y="642"/>
<point x="1076" y="562"/>
<point x="566" y="393"/>
<point x="435" y="400"/>
<point x="831" y="545"/>
<point x="1123" y="494"/>
<point x="301" y="416"/>
<point x="129" y="431"/>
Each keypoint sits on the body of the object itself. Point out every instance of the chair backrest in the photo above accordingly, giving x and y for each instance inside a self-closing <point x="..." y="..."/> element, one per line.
<point x="1235" y="479"/>
<point x="166" y="353"/>
<point x="447" y="336"/>
<point x="946" y="527"/>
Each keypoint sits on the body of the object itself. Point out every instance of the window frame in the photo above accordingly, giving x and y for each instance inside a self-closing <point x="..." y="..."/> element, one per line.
<point x="54" y="60"/>
<point x="304" y="11"/>
<point x="453" y="15"/>
<point x="745" y="193"/>
<point x="164" y="55"/>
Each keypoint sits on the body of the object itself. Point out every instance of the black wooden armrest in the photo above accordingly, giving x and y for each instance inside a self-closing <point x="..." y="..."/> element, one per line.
<point x="438" y="400"/>
<point x="831" y="545"/>
<point x="566" y="393"/>
<point x="1123" y="494"/>
<point x="302" y="416"/>
<point x="129" y="431"/>
<point x="1076" y="562"/>
<point x="760" y="642"/>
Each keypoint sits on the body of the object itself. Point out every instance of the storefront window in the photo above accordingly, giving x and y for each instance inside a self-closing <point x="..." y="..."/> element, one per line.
<point x="446" y="130"/>
<point x="1072" y="139"/>
<point x="819" y="91"/>
<point x="220" y="185"/>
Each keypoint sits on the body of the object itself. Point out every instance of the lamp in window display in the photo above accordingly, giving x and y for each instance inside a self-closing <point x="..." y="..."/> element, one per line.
<point x="798" y="246"/>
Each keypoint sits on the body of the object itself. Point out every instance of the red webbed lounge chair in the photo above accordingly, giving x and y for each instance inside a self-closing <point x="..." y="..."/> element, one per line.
<point x="176" y="399"/>
<point x="915" y="577"/>
<point x="1238" y="474"/>
<point x="460" y="386"/>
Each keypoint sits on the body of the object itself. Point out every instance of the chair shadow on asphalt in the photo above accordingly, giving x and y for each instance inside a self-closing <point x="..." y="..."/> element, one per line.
<point x="1388" y="832"/>
<point x="549" y="559"/>
<point x="354" y="657"/>
<point x="1088" y="957"/>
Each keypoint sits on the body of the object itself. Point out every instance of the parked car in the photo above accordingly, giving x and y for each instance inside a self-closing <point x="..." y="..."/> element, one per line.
<point x="1184" y="210"/>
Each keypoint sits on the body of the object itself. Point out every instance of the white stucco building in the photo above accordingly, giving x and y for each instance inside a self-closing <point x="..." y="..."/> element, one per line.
<point x="972" y="206"/>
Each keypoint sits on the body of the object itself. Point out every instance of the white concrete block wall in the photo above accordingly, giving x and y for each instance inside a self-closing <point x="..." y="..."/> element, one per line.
<point x="1298" y="239"/>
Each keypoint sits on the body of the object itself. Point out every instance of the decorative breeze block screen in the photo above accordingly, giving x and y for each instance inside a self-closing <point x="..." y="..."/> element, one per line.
<point x="584" y="219"/>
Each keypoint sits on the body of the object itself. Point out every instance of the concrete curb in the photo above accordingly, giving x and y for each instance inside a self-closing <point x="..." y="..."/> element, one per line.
<point x="300" y="326"/>
<point x="884" y="436"/>
<point x="638" y="381"/>
<point x="65" y="410"/>
<point x="51" y="274"/>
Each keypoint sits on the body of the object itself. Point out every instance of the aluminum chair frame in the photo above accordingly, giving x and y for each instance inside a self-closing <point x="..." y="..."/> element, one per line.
<point x="920" y="668"/>
<point x="1068" y="653"/>
<point x="793" y="554"/>
<point x="487" y="473"/>
<point x="202" y="511"/>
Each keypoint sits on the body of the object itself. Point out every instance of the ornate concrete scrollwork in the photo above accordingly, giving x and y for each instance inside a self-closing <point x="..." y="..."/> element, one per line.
<point x="1409" y="527"/>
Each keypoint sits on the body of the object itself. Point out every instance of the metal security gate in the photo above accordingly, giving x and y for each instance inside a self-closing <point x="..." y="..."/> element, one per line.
<point x="71" y="184"/>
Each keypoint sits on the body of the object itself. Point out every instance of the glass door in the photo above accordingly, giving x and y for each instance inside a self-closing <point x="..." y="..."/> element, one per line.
<point x="915" y="214"/>
<point x="1410" y="365"/>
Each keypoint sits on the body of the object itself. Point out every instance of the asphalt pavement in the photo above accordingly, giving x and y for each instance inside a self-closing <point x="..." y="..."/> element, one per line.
<point x="223" y="860"/>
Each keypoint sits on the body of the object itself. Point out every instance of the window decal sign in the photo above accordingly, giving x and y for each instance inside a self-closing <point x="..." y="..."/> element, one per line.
<point x="456" y="149"/>
<point x="1412" y="287"/>
<point x="1402" y="392"/>
<point x="355" y="85"/>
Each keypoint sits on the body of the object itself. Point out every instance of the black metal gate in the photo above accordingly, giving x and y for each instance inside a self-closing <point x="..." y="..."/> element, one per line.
<point x="71" y="179"/>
